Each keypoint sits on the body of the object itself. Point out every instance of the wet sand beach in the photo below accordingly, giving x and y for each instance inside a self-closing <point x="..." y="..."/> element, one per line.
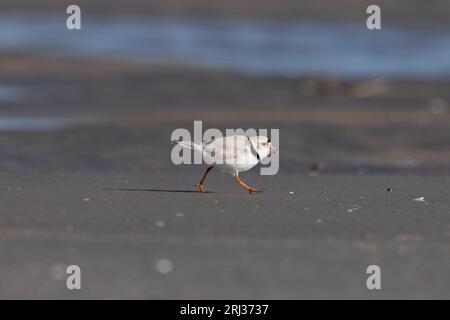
<point x="102" y="192"/>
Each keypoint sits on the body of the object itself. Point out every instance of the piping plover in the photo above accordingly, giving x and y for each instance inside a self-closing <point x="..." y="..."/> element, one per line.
<point x="232" y="154"/>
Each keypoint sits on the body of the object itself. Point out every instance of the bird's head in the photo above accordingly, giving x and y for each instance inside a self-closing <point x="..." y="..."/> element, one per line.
<point x="263" y="146"/>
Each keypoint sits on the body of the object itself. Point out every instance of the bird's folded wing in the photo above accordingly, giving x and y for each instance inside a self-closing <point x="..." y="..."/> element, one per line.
<point x="229" y="149"/>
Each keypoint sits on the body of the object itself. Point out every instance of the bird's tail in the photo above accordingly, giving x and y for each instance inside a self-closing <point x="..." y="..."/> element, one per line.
<point x="188" y="144"/>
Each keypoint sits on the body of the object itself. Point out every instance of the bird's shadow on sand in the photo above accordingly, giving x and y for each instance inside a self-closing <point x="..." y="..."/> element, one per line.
<point x="154" y="190"/>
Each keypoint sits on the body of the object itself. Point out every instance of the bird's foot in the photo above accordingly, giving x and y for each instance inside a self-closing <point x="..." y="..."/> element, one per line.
<point x="254" y="190"/>
<point x="201" y="187"/>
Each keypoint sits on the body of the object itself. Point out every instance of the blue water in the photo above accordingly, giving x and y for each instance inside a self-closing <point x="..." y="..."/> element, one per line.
<point x="42" y="123"/>
<point x="255" y="47"/>
<point x="30" y="123"/>
<point x="10" y="93"/>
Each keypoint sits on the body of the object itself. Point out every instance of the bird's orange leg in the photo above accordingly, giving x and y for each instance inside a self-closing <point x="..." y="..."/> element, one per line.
<point x="200" y="185"/>
<point x="250" y="189"/>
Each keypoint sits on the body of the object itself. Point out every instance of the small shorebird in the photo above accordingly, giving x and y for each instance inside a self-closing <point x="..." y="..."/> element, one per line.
<point x="232" y="154"/>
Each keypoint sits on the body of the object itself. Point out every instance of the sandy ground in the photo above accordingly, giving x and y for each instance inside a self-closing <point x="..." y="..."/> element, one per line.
<point x="104" y="195"/>
<point x="315" y="243"/>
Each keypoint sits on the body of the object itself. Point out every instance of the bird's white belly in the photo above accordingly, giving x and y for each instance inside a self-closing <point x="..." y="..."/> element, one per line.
<point x="238" y="166"/>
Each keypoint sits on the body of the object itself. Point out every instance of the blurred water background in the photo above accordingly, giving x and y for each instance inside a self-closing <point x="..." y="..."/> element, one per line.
<point x="252" y="46"/>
